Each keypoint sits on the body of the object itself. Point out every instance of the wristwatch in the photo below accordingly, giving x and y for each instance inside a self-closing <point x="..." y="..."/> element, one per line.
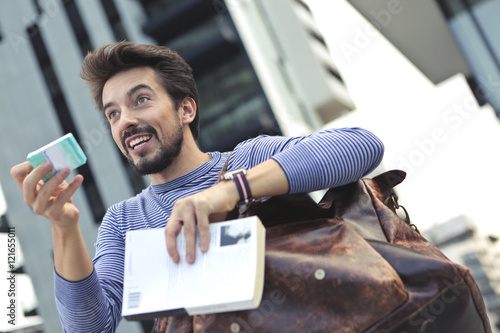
<point x="239" y="177"/>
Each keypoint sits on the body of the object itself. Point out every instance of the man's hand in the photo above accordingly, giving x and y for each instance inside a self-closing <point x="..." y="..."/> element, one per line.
<point x="195" y="212"/>
<point x="51" y="199"/>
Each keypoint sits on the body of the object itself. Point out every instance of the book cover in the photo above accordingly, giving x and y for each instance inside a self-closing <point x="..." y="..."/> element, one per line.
<point x="228" y="277"/>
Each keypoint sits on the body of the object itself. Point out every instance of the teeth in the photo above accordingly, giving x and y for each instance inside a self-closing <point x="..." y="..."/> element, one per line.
<point x="139" y="142"/>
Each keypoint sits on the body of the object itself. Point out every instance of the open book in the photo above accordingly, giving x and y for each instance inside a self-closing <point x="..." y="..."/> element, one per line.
<point x="228" y="277"/>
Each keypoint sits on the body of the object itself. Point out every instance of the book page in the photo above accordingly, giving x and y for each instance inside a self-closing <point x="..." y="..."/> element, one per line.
<point x="224" y="267"/>
<point x="224" y="274"/>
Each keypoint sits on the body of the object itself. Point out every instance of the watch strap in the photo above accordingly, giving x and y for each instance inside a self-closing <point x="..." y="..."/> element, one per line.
<point x="243" y="188"/>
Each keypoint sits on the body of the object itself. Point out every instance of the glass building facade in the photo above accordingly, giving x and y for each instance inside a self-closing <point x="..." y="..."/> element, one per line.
<point x="474" y="25"/>
<point x="233" y="106"/>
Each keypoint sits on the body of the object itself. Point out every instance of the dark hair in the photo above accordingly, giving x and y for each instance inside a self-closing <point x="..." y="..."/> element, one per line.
<point x="171" y="71"/>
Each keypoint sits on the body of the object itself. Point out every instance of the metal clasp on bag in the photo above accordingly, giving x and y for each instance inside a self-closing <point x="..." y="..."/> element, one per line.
<point x="406" y="218"/>
<point x="243" y="208"/>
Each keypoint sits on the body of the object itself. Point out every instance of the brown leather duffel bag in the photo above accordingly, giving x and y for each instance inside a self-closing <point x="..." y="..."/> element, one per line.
<point x="349" y="264"/>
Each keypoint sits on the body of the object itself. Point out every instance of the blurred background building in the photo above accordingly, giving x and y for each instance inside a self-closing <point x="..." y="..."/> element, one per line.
<point x="460" y="240"/>
<point x="17" y="285"/>
<point x="458" y="36"/>
<point x="262" y="67"/>
<point x="248" y="59"/>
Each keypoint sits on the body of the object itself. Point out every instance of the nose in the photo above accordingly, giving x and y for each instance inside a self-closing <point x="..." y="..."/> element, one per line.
<point x="128" y="120"/>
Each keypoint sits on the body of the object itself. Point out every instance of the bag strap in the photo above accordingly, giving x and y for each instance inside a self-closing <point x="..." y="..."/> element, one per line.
<point x="224" y="168"/>
<point x="352" y="201"/>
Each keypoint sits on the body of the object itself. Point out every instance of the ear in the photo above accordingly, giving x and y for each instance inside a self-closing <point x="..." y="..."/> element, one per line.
<point x="187" y="109"/>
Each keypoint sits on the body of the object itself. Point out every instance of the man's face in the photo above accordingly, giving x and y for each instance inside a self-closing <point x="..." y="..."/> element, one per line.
<point x="144" y="122"/>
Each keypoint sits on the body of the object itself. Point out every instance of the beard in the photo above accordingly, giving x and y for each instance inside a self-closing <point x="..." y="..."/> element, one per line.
<point x="164" y="156"/>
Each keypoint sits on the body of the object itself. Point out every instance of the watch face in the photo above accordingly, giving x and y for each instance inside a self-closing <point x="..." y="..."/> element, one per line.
<point x="230" y="174"/>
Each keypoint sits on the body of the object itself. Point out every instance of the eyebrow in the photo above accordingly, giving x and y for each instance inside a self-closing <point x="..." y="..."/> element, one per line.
<point x="129" y="94"/>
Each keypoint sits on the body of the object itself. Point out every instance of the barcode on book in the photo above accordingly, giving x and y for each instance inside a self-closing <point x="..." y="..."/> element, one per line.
<point x="134" y="299"/>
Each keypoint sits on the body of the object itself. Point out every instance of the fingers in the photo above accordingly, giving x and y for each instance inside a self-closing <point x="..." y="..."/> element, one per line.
<point x="48" y="198"/>
<point x="29" y="185"/>
<point x="186" y="214"/>
<point x="53" y="211"/>
<point x="204" y="230"/>
<point x="42" y="198"/>
<point x="66" y="194"/>
<point x="190" y="236"/>
<point x="20" y="171"/>
<point x="196" y="223"/>
<point x="171" y="231"/>
<point x="181" y="218"/>
<point x="194" y="213"/>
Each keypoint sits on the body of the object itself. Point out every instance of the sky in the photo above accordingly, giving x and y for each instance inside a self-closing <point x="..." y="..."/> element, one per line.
<point x="447" y="144"/>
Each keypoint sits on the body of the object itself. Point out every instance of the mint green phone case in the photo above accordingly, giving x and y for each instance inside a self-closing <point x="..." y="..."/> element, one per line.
<point x="64" y="152"/>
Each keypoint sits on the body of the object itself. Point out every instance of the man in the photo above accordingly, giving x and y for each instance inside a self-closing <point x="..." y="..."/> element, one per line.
<point x="149" y="97"/>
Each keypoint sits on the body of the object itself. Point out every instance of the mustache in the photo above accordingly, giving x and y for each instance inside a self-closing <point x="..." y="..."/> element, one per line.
<point x="146" y="129"/>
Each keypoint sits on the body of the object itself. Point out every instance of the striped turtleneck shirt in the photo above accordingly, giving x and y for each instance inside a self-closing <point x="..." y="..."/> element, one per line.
<point x="326" y="159"/>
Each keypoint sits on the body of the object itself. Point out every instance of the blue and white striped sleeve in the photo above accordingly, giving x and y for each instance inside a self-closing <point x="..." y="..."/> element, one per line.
<point x="94" y="303"/>
<point x="326" y="159"/>
<point x="83" y="305"/>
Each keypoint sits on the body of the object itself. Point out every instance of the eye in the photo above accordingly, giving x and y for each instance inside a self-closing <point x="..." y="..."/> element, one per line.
<point x="142" y="100"/>
<point x="112" y="114"/>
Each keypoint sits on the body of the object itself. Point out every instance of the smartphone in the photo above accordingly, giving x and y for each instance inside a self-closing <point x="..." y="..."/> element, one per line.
<point x="64" y="152"/>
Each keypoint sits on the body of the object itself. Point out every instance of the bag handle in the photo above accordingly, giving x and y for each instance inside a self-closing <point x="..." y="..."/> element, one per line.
<point x="349" y="201"/>
<point x="352" y="203"/>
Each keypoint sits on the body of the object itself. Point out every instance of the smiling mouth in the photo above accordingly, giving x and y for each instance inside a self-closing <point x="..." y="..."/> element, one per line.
<point x="139" y="141"/>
